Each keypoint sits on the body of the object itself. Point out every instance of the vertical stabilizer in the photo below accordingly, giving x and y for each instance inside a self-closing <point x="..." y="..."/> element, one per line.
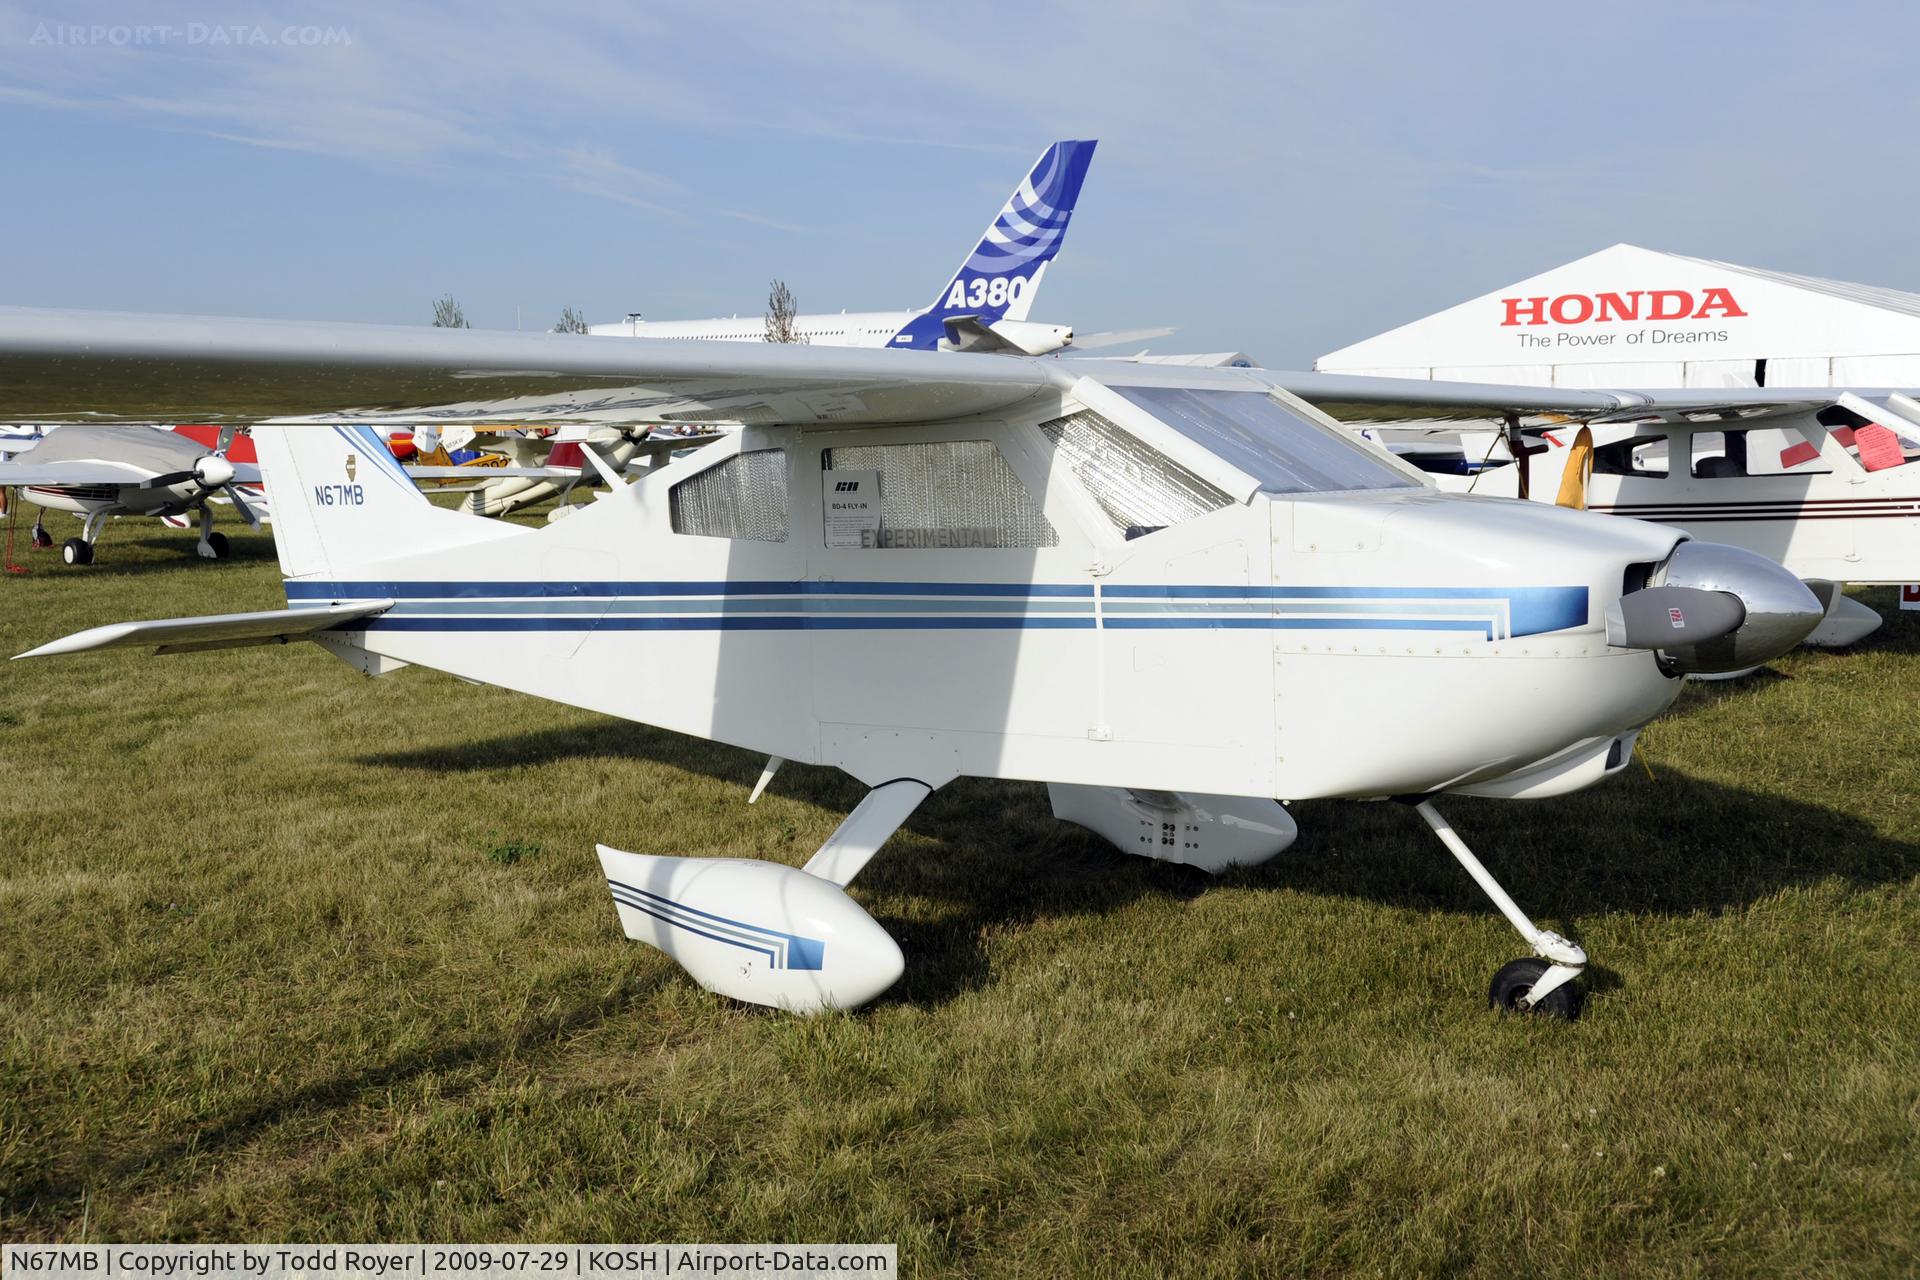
<point x="999" y="277"/>
<point x="341" y="501"/>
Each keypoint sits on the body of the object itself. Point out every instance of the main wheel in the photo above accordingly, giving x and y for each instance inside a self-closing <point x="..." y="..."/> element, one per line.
<point x="1515" y="979"/>
<point x="218" y="541"/>
<point x="41" y="538"/>
<point x="76" y="551"/>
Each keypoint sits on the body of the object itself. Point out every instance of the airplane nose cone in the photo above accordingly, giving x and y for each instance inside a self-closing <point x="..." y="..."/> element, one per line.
<point x="1779" y="609"/>
<point x="213" y="471"/>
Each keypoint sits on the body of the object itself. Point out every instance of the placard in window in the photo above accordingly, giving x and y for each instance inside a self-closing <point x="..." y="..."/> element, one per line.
<point x="851" y="503"/>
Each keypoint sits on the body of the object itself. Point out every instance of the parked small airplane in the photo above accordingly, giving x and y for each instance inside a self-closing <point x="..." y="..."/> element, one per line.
<point x="563" y="463"/>
<point x="1178" y="596"/>
<point x="99" y="472"/>
<point x="1828" y="487"/>
<point x="982" y="308"/>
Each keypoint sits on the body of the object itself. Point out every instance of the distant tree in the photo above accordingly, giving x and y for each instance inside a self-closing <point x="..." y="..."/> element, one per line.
<point x="448" y="315"/>
<point x="571" y="321"/>
<point x="781" y="310"/>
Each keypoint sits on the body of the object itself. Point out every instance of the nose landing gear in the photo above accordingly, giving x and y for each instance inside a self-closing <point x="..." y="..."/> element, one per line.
<point x="1528" y="985"/>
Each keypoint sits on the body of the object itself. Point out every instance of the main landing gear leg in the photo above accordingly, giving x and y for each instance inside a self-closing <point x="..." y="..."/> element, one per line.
<point x="213" y="546"/>
<point x="1524" y="986"/>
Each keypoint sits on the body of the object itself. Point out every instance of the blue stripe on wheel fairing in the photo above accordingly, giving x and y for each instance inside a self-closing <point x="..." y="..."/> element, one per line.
<point x="801" y="952"/>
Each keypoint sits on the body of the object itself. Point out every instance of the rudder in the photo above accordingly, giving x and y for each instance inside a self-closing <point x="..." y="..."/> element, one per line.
<point x="999" y="277"/>
<point x="341" y="500"/>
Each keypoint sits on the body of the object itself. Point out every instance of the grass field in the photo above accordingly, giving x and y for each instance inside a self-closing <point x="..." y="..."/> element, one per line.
<point x="293" y="954"/>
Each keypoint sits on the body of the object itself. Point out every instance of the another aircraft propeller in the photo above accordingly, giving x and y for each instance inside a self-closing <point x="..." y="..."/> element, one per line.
<point x="1573" y="480"/>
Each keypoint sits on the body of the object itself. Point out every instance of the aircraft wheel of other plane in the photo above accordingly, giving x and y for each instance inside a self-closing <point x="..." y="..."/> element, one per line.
<point x="1515" y="979"/>
<point x="76" y="551"/>
<point x="218" y="541"/>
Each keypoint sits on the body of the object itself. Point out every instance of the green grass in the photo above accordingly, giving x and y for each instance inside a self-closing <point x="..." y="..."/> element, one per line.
<point x="293" y="954"/>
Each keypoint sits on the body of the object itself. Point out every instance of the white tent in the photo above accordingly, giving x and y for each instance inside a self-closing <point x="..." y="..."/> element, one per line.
<point x="1632" y="317"/>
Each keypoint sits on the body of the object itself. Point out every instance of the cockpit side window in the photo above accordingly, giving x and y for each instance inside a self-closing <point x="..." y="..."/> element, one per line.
<point x="945" y="494"/>
<point x="1269" y="442"/>
<point x="1642" y="455"/>
<point x="744" y="497"/>
<point x="1140" y="488"/>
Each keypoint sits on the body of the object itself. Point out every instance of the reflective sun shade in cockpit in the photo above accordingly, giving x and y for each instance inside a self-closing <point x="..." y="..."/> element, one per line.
<point x="1269" y="442"/>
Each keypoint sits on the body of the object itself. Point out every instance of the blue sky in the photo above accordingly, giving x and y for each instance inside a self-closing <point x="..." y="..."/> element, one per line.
<point x="1281" y="179"/>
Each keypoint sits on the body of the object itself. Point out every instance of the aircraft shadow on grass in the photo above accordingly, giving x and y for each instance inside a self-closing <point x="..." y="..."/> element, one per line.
<point x="1673" y="844"/>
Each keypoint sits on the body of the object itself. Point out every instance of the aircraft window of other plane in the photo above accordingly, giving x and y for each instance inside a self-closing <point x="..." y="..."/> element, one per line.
<point x="1269" y="442"/>
<point x="1755" y="451"/>
<point x="1640" y="456"/>
<point x="1140" y="488"/>
<point x="947" y="493"/>
<point x="744" y="498"/>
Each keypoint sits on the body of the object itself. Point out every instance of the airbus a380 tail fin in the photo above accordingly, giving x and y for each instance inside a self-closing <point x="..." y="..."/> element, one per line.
<point x="999" y="278"/>
<point x="342" y="501"/>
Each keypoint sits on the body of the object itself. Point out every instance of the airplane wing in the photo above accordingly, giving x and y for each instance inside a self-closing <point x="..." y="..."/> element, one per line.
<point x="67" y="366"/>
<point x="99" y="472"/>
<point x="80" y="366"/>
<point x="218" y="631"/>
<point x="1360" y="399"/>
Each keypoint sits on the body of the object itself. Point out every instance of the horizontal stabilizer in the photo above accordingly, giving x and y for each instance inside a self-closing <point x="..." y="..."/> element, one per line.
<point x="215" y="631"/>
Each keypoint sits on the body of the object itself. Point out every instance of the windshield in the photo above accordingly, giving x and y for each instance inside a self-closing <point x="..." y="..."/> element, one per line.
<point x="1254" y="432"/>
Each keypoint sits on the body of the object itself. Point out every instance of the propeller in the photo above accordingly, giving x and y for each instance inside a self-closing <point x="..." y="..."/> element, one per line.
<point x="213" y="473"/>
<point x="210" y="472"/>
<point x="241" y="505"/>
<point x="1573" y="480"/>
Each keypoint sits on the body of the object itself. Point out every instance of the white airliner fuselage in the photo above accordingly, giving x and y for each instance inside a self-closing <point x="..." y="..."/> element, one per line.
<point x="847" y="329"/>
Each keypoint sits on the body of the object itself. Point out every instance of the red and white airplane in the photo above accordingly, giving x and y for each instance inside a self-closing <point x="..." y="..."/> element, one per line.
<point x="99" y="472"/>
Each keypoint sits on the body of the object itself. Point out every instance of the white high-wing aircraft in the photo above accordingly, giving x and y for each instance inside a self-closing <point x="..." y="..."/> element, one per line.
<point x="1178" y="596"/>
<point x="982" y="308"/>
<point x="99" y="472"/>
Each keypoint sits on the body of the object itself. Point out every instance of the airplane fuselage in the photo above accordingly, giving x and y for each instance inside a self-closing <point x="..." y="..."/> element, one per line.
<point x="1326" y="644"/>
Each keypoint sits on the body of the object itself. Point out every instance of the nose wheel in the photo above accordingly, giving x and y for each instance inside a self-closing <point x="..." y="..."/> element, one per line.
<point x="1514" y="985"/>
<point x="1541" y="983"/>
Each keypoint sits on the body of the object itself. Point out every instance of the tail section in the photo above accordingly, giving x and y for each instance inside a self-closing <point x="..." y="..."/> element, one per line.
<point x="342" y="501"/>
<point x="999" y="278"/>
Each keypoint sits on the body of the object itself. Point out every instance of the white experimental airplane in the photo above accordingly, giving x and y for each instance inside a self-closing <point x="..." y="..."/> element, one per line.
<point x="982" y="308"/>
<point x="1178" y="596"/>
<point x="99" y="472"/>
<point x="1829" y="487"/>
